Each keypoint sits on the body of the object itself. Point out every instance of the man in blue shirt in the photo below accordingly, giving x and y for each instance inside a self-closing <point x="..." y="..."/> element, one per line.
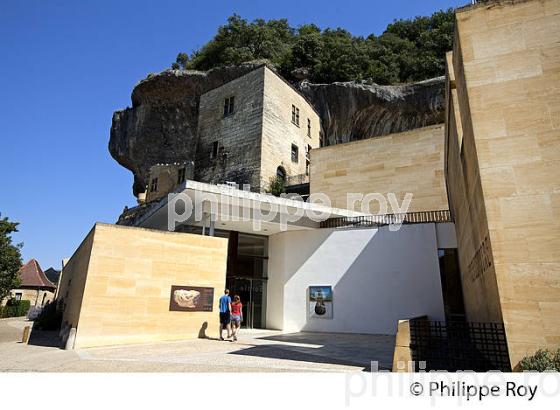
<point x="225" y="309"/>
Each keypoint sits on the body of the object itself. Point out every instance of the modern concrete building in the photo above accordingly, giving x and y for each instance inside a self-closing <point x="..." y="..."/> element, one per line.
<point x="273" y="251"/>
<point x="351" y="265"/>
<point x="502" y="166"/>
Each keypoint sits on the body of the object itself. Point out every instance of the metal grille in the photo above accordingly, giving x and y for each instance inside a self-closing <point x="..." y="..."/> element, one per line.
<point x="457" y="346"/>
<point x="387" y="219"/>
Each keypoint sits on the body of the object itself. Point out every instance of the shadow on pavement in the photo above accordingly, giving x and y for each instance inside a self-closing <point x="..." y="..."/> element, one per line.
<point x="46" y="338"/>
<point x="336" y="349"/>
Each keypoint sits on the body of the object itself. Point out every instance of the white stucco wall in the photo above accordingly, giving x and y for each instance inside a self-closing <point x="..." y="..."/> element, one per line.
<point x="378" y="277"/>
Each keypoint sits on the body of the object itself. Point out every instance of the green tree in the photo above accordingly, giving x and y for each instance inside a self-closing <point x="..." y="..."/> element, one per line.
<point x="408" y="50"/>
<point x="10" y="258"/>
<point x="182" y="61"/>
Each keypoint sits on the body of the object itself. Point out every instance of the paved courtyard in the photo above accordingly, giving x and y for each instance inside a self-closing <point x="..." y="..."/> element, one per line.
<point x="255" y="351"/>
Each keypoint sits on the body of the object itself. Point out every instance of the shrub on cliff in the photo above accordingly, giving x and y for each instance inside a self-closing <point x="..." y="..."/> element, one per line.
<point x="408" y="50"/>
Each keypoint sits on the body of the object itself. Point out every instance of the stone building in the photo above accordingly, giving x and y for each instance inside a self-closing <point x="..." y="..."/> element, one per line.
<point x="164" y="178"/>
<point x="35" y="286"/>
<point x="502" y="167"/>
<point x="250" y="130"/>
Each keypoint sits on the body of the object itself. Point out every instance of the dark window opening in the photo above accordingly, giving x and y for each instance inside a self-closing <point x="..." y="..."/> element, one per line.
<point x="451" y="285"/>
<point x="307" y="167"/>
<point x="182" y="175"/>
<point x="153" y="185"/>
<point x="295" y="115"/>
<point x="309" y="128"/>
<point x="214" y="153"/>
<point x="295" y="153"/>
<point x="281" y="173"/>
<point x="229" y="104"/>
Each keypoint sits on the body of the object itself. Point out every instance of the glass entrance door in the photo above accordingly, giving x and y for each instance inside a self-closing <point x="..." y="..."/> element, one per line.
<point x="251" y="292"/>
<point x="247" y="274"/>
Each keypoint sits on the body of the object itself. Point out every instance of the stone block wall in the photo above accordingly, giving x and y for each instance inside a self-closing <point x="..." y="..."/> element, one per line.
<point x="399" y="163"/>
<point x="167" y="178"/>
<point x="280" y="133"/>
<point x="503" y="162"/>
<point x="238" y="135"/>
<point x="116" y="287"/>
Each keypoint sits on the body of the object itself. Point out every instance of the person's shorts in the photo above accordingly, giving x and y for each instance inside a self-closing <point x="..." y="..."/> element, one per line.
<point x="236" y="319"/>
<point x="224" y="318"/>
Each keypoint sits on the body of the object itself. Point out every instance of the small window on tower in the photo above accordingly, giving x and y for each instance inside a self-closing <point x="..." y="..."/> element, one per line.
<point x="309" y="128"/>
<point x="295" y="153"/>
<point x="229" y="104"/>
<point x="153" y="185"/>
<point x="182" y="174"/>
<point x="295" y="115"/>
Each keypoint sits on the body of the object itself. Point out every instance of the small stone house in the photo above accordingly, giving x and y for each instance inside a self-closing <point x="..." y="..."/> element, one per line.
<point x="35" y="286"/>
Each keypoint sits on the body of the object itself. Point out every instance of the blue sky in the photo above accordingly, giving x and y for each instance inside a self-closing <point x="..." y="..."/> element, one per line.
<point x="65" y="66"/>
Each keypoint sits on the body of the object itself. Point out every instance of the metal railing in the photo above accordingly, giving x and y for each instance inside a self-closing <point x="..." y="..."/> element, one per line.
<point x="388" y="219"/>
<point x="459" y="345"/>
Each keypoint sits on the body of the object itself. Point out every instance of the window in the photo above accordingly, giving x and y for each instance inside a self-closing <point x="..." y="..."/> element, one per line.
<point x="214" y="153"/>
<point x="309" y="128"/>
<point x="295" y="115"/>
<point x="281" y="173"/>
<point x="153" y="186"/>
<point x="307" y="167"/>
<point x="229" y="104"/>
<point x="308" y="152"/>
<point x="295" y="153"/>
<point x="18" y="296"/>
<point x="182" y="175"/>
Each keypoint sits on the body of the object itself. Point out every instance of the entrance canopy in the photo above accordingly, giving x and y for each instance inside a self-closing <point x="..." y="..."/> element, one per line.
<point x="228" y="208"/>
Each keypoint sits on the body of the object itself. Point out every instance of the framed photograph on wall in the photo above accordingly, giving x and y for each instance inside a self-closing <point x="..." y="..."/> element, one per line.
<point x="320" y="302"/>
<point x="191" y="299"/>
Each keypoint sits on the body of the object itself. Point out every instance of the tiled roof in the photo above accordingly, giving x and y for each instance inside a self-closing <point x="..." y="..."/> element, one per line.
<point x="32" y="275"/>
<point x="52" y="275"/>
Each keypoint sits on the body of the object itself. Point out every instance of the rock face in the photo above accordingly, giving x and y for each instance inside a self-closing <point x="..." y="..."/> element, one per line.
<point x="351" y="111"/>
<point x="161" y="125"/>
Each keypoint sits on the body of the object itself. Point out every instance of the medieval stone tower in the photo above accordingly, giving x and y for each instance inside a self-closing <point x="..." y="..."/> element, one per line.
<point x="250" y="130"/>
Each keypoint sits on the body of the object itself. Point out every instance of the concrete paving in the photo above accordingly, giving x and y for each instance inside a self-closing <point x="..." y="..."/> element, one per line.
<point x="255" y="351"/>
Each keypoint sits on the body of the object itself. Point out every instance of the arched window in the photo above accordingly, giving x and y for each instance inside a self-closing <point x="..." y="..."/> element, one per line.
<point x="281" y="173"/>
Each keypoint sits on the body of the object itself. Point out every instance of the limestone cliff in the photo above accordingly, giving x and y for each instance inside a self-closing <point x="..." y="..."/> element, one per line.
<point x="351" y="111"/>
<point x="161" y="125"/>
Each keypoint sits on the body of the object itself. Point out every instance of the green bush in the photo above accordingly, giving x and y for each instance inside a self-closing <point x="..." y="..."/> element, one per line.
<point x="277" y="186"/>
<point x="542" y="360"/>
<point x="15" y="308"/>
<point x="50" y="317"/>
